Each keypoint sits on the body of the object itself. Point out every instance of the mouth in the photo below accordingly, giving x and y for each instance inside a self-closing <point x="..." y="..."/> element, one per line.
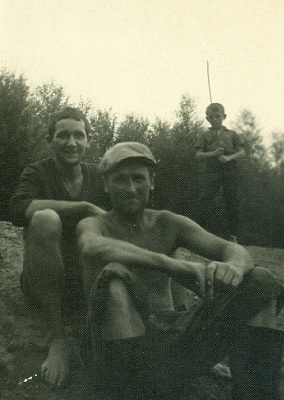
<point x="131" y="200"/>
<point x="71" y="153"/>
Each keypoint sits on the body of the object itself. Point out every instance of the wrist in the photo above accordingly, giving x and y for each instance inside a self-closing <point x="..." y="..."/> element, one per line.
<point x="163" y="262"/>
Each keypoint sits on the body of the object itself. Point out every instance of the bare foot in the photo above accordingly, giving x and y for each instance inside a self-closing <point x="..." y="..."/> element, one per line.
<point x="221" y="370"/>
<point x="55" y="369"/>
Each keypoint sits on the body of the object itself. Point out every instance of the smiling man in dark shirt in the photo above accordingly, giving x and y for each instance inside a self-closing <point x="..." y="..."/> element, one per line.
<point x="52" y="196"/>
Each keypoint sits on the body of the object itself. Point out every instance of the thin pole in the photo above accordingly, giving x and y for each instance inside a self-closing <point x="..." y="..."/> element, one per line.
<point x="208" y="79"/>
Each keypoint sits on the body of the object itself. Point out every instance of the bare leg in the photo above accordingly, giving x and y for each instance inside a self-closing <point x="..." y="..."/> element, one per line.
<point x="44" y="271"/>
<point x="122" y="321"/>
<point x="116" y="334"/>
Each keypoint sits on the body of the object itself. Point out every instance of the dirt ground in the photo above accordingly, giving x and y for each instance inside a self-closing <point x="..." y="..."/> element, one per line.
<point x="24" y="337"/>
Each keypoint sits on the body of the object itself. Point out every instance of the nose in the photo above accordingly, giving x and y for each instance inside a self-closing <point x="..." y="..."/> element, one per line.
<point x="71" y="141"/>
<point x="130" y="187"/>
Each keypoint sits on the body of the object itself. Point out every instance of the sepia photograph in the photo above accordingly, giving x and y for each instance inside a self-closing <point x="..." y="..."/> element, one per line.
<point x="141" y="200"/>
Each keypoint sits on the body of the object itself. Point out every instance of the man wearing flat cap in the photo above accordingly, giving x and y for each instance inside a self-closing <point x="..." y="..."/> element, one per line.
<point x="138" y="344"/>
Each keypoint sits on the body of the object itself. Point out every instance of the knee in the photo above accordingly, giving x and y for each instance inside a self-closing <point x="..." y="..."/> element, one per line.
<point x="118" y="293"/>
<point x="45" y="225"/>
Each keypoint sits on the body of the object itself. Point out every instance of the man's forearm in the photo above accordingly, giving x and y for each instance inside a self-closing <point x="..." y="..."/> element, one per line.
<point x="237" y="155"/>
<point x="110" y="250"/>
<point x="201" y="155"/>
<point x="237" y="255"/>
<point x="63" y="208"/>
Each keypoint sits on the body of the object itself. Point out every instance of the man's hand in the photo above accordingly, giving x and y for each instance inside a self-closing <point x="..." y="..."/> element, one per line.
<point x="218" y="152"/>
<point x="188" y="274"/>
<point x="222" y="277"/>
<point x="224" y="159"/>
<point x="92" y="210"/>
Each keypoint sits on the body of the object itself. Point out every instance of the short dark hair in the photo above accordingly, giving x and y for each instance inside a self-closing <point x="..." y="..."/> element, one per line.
<point x="68" y="113"/>
<point x="215" y="106"/>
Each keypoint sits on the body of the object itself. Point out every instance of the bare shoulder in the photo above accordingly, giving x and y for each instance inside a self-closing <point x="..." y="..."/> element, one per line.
<point x="169" y="220"/>
<point x="92" y="223"/>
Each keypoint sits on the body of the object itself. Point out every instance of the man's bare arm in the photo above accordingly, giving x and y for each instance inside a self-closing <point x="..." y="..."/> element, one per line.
<point x="203" y="155"/>
<point x="231" y="261"/>
<point x="92" y="243"/>
<point x="64" y="208"/>
<point x="238" y="154"/>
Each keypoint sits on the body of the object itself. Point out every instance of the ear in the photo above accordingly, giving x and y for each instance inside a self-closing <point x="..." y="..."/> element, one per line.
<point x="152" y="181"/>
<point x="225" y="116"/>
<point x="207" y="118"/>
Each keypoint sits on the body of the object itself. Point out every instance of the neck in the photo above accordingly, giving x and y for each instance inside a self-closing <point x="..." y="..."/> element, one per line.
<point x="217" y="129"/>
<point x="68" y="172"/>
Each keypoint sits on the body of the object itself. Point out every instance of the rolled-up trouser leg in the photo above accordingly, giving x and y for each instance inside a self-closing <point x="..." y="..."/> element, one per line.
<point x="233" y="309"/>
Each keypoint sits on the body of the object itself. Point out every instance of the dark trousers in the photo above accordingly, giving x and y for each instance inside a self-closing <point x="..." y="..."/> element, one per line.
<point x="211" y="185"/>
<point x="218" y="328"/>
<point x="178" y="345"/>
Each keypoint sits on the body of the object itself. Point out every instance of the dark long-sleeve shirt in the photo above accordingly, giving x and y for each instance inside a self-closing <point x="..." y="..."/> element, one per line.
<point x="41" y="181"/>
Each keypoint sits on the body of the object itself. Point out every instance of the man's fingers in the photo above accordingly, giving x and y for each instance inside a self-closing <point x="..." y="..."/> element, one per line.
<point x="210" y="277"/>
<point x="236" y="281"/>
<point x="201" y="282"/>
<point x="210" y="273"/>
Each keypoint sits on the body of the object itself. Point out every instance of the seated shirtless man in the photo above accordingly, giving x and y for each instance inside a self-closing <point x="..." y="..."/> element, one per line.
<point x="128" y="266"/>
<point x="51" y="197"/>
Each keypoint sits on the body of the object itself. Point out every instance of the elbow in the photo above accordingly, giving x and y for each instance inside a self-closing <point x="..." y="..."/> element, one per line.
<point x="90" y="246"/>
<point x="85" y="247"/>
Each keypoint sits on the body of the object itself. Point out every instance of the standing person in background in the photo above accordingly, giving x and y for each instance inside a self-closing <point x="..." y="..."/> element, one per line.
<point x="220" y="148"/>
<point x="53" y="195"/>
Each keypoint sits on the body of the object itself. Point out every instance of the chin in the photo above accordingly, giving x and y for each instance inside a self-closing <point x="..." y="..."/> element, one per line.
<point x="130" y="211"/>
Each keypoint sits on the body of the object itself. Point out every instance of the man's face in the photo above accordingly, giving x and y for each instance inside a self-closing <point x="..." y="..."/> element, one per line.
<point x="70" y="141"/>
<point x="129" y="187"/>
<point x="215" y="117"/>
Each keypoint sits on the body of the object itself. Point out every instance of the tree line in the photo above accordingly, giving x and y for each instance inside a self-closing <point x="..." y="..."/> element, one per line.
<point x="24" y="115"/>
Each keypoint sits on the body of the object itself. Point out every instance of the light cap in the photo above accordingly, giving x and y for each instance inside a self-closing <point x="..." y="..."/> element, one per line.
<point x="123" y="151"/>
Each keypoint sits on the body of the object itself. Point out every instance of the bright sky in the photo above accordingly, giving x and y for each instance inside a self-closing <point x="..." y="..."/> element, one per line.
<point x="142" y="55"/>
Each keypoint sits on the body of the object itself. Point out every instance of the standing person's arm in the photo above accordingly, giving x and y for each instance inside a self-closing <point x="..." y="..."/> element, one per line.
<point x="238" y="144"/>
<point x="203" y="155"/>
<point x="201" y="152"/>
<point x="240" y="152"/>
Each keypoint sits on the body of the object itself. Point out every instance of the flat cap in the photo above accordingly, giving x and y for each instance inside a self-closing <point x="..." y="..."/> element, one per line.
<point x="123" y="151"/>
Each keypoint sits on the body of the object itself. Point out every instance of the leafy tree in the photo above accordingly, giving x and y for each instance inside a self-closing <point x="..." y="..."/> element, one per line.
<point x="132" y="128"/>
<point x="104" y="125"/>
<point x="256" y="185"/>
<point x="14" y="119"/>
<point x="277" y="177"/>
<point x="277" y="151"/>
<point x="246" y="125"/>
<point x="44" y="101"/>
<point x="177" y="172"/>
